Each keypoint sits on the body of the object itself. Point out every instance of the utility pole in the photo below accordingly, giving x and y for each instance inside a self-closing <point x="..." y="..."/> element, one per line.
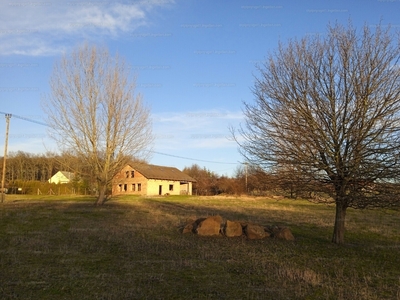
<point x="246" y="175"/>
<point x="3" y="177"/>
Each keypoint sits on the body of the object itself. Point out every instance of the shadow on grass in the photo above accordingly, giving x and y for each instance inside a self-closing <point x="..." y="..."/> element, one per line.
<point x="131" y="248"/>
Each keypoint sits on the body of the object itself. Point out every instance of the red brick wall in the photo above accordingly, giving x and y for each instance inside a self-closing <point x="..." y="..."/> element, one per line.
<point x="121" y="179"/>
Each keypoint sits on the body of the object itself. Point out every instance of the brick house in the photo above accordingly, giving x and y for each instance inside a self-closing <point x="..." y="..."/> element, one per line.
<point x="150" y="180"/>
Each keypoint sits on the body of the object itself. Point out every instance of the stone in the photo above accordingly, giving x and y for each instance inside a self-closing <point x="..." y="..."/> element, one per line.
<point x="217" y="218"/>
<point x="211" y="226"/>
<point x="233" y="229"/>
<point x="215" y="226"/>
<point x="191" y="220"/>
<point x="284" y="234"/>
<point x="189" y="228"/>
<point x="255" y="232"/>
<point x="190" y="225"/>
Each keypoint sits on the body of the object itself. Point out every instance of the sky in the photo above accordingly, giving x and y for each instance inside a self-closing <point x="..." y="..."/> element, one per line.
<point x="195" y="62"/>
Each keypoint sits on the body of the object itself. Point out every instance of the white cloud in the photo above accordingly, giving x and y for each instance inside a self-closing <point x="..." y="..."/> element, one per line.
<point x="47" y="28"/>
<point x="197" y="137"/>
<point x="195" y="129"/>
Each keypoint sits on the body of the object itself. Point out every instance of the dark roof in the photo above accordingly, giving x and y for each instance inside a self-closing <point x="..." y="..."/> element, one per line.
<point x="161" y="172"/>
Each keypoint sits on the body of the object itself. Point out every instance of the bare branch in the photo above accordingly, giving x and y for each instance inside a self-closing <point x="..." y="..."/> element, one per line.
<point x="329" y="107"/>
<point x="95" y="114"/>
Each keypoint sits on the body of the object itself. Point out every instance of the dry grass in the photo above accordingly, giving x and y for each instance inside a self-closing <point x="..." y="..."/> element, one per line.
<point x="52" y="248"/>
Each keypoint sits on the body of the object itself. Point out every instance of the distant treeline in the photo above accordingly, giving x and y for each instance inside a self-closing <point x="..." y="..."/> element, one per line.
<point x="251" y="180"/>
<point x="31" y="172"/>
<point x="39" y="167"/>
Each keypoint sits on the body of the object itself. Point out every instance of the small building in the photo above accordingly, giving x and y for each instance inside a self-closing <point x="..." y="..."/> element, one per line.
<point x="62" y="177"/>
<point x="151" y="180"/>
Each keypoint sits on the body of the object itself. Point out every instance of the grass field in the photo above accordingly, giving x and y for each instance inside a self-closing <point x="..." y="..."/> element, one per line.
<point x="132" y="248"/>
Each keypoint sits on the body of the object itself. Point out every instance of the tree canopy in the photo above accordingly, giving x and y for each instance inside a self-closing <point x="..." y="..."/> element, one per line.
<point x="328" y="108"/>
<point x="95" y="114"/>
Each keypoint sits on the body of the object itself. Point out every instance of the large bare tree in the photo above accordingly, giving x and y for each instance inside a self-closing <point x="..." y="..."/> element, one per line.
<point x="329" y="108"/>
<point x="94" y="112"/>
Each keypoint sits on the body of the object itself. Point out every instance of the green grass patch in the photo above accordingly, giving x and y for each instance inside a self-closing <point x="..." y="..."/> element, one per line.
<point x="54" y="247"/>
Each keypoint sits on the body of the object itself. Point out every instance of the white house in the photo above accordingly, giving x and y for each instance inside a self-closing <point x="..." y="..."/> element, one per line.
<point x="62" y="177"/>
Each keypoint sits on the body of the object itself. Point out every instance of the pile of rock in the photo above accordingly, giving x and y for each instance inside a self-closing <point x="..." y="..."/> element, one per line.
<point x="215" y="226"/>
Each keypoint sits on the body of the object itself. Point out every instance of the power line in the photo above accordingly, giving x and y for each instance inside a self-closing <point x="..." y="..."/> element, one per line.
<point x="156" y="152"/>
<point x="25" y="119"/>
<point x="194" y="159"/>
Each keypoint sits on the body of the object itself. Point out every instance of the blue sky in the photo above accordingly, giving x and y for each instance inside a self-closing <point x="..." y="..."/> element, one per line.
<point x="194" y="61"/>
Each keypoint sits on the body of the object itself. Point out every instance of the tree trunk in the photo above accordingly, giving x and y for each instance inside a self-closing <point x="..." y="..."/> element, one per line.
<point x="338" y="231"/>
<point x="101" y="199"/>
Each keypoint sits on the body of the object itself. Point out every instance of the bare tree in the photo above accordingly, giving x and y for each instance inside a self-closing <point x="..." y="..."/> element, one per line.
<point x="94" y="113"/>
<point x="329" y="107"/>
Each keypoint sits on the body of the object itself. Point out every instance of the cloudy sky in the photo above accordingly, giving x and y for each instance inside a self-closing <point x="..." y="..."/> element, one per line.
<point x="194" y="60"/>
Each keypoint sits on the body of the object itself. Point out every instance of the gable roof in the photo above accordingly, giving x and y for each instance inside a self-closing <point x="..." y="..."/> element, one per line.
<point x="68" y="175"/>
<point x="161" y="172"/>
<point x="62" y="177"/>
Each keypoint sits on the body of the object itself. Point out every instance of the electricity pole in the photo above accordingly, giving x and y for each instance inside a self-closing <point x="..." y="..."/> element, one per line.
<point x="3" y="177"/>
<point x="246" y="175"/>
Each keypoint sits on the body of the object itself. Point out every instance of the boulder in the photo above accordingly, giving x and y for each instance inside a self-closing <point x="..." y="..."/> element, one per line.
<point x="210" y="226"/>
<point x="189" y="228"/>
<point x="255" y="232"/>
<point x="191" y="219"/>
<point x="233" y="229"/>
<point x="215" y="226"/>
<point x="190" y="225"/>
<point x="284" y="234"/>
<point x="217" y="218"/>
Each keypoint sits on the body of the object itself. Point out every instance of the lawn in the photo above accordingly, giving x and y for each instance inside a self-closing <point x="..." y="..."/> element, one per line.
<point x="132" y="248"/>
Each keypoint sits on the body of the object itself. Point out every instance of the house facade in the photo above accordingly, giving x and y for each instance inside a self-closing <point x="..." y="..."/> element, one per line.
<point x="61" y="177"/>
<point x="151" y="180"/>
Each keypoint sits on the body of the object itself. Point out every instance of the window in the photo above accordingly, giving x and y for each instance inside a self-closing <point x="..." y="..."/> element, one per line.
<point x="125" y="187"/>
<point x="127" y="174"/>
<point x="139" y="187"/>
<point x="132" y="174"/>
<point x="133" y="187"/>
<point x="120" y="187"/>
<point x="171" y="187"/>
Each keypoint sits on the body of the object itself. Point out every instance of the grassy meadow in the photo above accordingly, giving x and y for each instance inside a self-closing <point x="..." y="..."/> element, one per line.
<point x="58" y="247"/>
